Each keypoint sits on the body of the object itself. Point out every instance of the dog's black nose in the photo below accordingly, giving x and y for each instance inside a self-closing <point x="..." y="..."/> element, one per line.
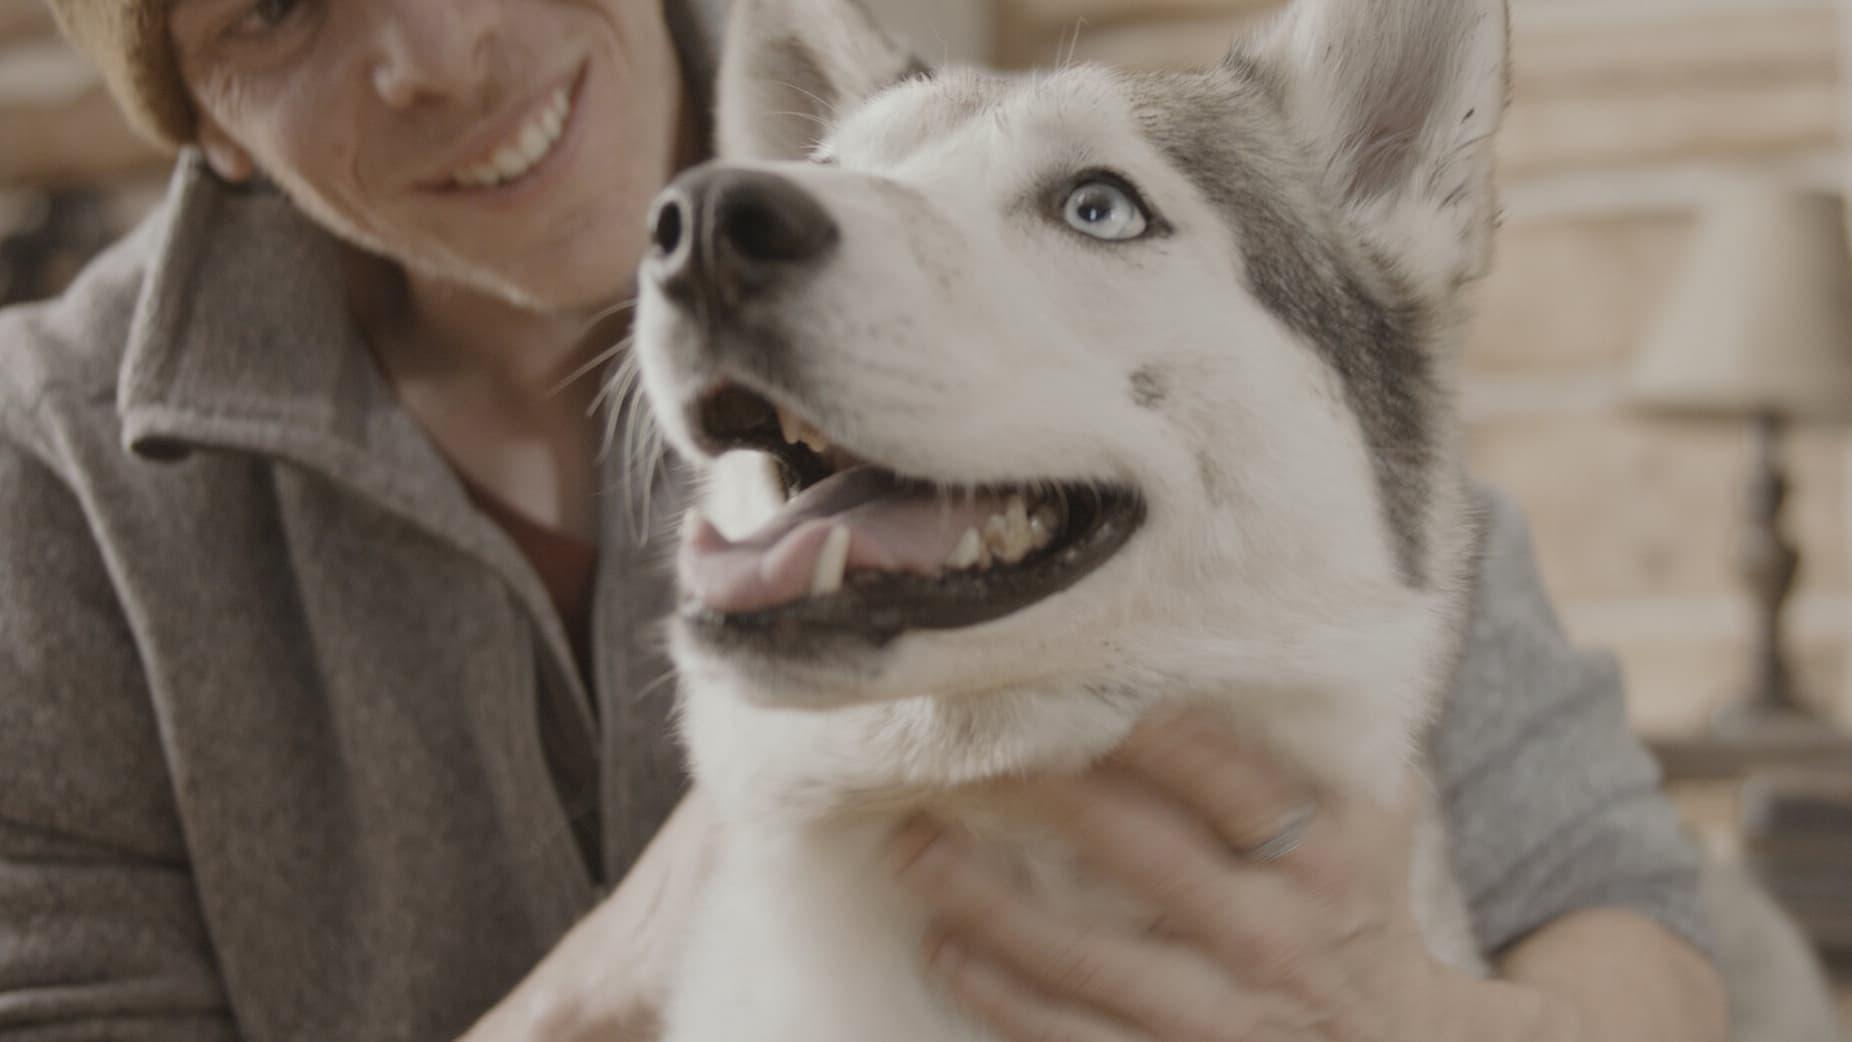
<point x="730" y="233"/>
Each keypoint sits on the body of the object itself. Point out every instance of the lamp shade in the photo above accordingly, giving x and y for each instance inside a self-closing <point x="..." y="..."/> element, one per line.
<point x="1760" y="320"/>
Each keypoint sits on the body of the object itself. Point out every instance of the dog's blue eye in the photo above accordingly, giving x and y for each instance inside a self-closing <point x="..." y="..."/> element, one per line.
<point x="1105" y="211"/>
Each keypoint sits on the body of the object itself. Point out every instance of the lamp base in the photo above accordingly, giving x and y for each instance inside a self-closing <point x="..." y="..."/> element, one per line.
<point x="1767" y="727"/>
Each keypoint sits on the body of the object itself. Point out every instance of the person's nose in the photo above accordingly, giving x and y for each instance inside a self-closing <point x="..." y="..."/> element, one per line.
<point x="432" y="49"/>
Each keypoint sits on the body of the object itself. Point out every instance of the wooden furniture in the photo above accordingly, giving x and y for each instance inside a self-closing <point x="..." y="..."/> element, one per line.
<point x="1797" y="838"/>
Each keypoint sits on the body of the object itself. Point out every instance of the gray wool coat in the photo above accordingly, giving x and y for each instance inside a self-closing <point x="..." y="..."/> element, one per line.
<point x="291" y="742"/>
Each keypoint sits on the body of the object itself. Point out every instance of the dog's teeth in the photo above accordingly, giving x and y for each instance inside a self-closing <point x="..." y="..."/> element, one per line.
<point x="1022" y="538"/>
<point x="1040" y="534"/>
<point x="997" y="536"/>
<point x="789" y="426"/>
<point x="1008" y="535"/>
<point x="832" y="564"/>
<point x="814" y="438"/>
<point x="969" y="551"/>
<point x="798" y="431"/>
<point x="1048" y="519"/>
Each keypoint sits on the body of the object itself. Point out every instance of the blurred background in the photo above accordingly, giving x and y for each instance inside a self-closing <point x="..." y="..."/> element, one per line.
<point x="1671" y="289"/>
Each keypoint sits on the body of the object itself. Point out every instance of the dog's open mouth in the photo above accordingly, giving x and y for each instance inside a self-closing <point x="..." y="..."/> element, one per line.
<point x="860" y="548"/>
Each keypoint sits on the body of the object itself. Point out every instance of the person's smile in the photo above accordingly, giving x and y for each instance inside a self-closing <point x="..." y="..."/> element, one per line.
<point x="517" y="149"/>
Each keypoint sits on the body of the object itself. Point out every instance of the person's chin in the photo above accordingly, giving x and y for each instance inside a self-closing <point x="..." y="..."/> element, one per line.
<point x="559" y="263"/>
<point x="584" y="273"/>
<point x="557" y="290"/>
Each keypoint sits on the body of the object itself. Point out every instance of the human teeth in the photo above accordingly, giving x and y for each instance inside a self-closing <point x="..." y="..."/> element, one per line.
<point x="514" y="159"/>
<point x="832" y="564"/>
<point x="968" y="553"/>
<point x="535" y="139"/>
<point x="524" y="149"/>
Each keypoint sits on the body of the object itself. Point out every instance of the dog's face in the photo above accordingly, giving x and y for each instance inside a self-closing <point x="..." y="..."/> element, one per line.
<point x="1084" y="379"/>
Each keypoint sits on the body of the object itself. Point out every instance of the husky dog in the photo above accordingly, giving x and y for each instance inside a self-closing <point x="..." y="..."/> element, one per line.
<point x="1065" y="393"/>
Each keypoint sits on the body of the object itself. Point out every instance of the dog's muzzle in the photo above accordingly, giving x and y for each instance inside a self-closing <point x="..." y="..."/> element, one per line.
<point x="722" y="235"/>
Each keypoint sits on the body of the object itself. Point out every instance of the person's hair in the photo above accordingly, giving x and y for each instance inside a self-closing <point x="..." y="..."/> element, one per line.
<point x="129" y="43"/>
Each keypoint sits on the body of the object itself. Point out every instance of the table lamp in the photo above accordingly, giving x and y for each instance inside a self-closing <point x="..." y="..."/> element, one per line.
<point x="1758" y="328"/>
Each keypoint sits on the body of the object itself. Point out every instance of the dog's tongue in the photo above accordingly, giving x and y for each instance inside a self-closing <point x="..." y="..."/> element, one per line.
<point x="892" y="528"/>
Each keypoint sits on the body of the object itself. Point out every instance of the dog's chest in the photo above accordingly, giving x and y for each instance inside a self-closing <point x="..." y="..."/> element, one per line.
<point x="807" y="938"/>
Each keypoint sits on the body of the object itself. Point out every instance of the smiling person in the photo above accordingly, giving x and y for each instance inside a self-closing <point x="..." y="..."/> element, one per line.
<point x="333" y="708"/>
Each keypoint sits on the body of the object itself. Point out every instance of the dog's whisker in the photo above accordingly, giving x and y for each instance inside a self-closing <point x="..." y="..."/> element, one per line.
<point x="612" y="311"/>
<point x="1073" y="45"/>
<point x="597" y="362"/>
<point x="628" y="372"/>
<point x="643" y="450"/>
<point x="808" y="118"/>
<point x="650" y="688"/>
<point x="825" y="104"/>
<point x="656" y="456"/>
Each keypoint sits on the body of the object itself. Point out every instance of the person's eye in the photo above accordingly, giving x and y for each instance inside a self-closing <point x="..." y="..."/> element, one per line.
<point x="262" y="16"/>
<point x="1105" y="210"/>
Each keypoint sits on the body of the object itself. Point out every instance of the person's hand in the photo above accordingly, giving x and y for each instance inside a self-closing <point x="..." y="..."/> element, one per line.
<point x="608" y="979"/>
<point x="1280" y="917"/>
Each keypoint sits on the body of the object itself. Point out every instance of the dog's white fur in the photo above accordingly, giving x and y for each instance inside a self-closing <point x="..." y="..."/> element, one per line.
<point x="959" y="337"/>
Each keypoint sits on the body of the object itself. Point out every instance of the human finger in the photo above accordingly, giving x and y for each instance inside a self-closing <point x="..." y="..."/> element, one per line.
<point x="1013" y="1007"/>
<point x="1163" y="854"/>
<point x="1193" y="756"/>
<point x="1133" y="977"/>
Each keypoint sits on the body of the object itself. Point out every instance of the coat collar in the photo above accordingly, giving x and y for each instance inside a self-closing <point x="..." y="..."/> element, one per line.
<point x="243" y="341"/>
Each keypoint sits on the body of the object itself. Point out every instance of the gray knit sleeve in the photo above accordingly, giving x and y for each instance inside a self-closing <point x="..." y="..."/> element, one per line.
<point x="1554" y="805"/>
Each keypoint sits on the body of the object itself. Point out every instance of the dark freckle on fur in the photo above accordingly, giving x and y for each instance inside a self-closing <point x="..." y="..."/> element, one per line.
<point x="1148" y="389"/>
<point x="1211" y="473"/>
<point x="1116" y="695"/>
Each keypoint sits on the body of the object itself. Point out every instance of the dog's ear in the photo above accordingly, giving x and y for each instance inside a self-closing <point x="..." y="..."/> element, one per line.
<point x="1403" y="98"/>
<point x="790" y="67"/>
